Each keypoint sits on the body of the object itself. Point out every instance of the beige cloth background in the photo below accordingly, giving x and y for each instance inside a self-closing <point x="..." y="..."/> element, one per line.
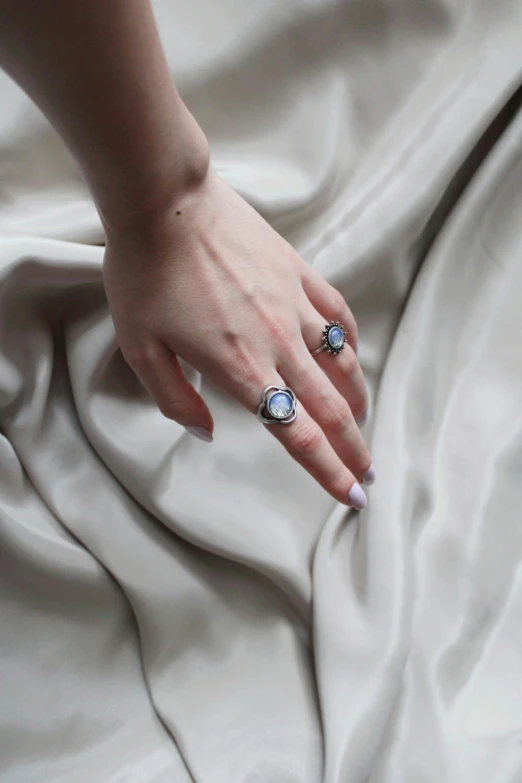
<point x="174" y="611"/>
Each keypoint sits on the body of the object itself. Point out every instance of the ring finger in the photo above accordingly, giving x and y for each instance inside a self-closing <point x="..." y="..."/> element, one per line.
<point x="343" y="369"/>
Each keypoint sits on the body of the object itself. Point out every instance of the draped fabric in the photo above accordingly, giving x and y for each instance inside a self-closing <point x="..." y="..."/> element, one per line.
<point x="177" y="611"/>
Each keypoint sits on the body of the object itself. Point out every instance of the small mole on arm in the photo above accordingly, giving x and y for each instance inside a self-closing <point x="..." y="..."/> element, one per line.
<point x="178" y="212"/>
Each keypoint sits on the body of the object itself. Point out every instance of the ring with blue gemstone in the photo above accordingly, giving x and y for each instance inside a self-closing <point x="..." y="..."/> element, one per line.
<point x="278" y="405"/>
<point x="334" y="338"/>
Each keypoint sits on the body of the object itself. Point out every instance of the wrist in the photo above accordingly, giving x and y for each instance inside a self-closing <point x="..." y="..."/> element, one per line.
<point x="140" y="210"/>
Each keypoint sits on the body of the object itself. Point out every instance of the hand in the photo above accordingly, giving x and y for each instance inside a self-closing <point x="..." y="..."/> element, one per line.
<point x="210" y="281"/>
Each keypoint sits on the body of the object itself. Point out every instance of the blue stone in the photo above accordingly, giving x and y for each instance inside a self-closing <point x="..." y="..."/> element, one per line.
<point x="336" y="337"/>
<point x="280" y="405"/>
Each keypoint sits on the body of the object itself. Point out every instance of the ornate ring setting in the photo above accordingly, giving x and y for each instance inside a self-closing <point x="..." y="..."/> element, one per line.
<point x="334" y="338"/>
<point x="278" y="405"/>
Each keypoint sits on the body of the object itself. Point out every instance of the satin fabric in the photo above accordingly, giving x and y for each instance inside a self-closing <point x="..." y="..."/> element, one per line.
<point x="177" y="611"/>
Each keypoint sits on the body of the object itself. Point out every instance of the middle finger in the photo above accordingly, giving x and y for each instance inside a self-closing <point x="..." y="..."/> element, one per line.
<point x="329" y="409"/>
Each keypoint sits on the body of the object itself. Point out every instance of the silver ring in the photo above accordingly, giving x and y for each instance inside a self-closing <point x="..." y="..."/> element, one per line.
<point x="278" y="405"/>
<point x="334" y="338"/>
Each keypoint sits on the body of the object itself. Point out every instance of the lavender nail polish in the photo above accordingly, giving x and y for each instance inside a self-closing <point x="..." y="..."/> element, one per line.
<point x="362" y="420"/>
<point x="356" y="497"/>
<point x="201" y="433"/>
<point x="369" y="476"/>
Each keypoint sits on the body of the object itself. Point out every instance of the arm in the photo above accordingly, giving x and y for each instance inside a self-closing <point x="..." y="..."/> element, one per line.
<point x="190" y="269"/>
<point x="97" y="70"/>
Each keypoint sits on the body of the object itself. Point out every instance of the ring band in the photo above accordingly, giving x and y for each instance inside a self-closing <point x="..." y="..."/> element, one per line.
<point x="334" y="338"/>
<point x="278" y="405"/>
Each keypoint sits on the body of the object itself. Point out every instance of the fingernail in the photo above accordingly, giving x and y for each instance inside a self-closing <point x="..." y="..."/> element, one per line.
<point x="362" y="420"/>
<point x="201" y="433"/>
<point x="357" y="497"/>
<point x="369" y="476"/>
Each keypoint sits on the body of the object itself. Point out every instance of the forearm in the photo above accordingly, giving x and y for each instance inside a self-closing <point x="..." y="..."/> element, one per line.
<point x="97" y="70"/>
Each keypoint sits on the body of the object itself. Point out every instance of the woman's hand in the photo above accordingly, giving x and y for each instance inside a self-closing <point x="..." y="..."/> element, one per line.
<point x="205" y="279"/>
<point x="210" y="281"/>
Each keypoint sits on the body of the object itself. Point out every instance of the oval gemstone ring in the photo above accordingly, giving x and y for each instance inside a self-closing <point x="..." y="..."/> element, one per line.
<point x="334" y="338"/>
<point x="278" y="405"/>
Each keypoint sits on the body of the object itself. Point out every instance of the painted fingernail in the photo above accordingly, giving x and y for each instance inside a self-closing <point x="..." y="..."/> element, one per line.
<point x="201" y="433"/>
<point x="362" y="420"/>
<point x="369" y="476"/>
<point x="357" y="497"/>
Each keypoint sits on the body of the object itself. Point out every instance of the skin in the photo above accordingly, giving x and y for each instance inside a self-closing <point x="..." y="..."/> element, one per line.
<point x="191" y="270"/>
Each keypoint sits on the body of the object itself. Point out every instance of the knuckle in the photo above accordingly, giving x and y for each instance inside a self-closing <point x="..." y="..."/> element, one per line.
<point x="176" y="409"/>
<point x="306" y="440"/>
<point x="282" y="335"/>
<point x="337" y="414"/>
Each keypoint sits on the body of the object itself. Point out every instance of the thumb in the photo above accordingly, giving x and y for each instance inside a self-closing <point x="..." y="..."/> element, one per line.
<point x="161" y="373"/>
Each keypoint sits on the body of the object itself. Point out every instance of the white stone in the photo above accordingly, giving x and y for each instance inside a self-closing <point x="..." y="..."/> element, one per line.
<point x="280" y="405"/>
<point x="336" y="337"/>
